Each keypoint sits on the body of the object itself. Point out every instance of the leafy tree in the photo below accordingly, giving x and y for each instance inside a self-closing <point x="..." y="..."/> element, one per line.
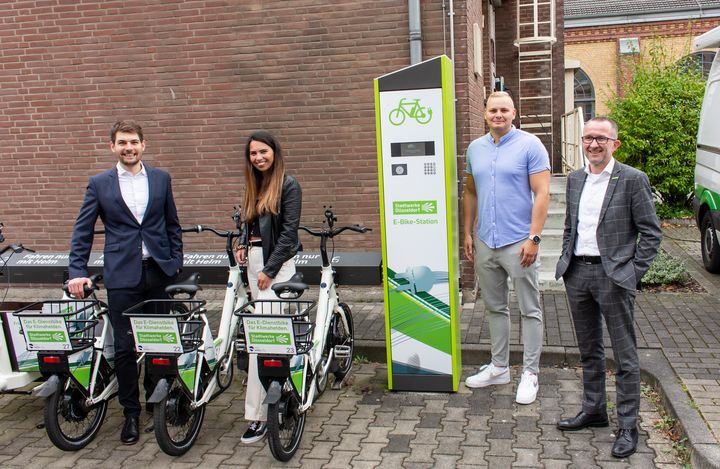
<point x="657" y="112"/>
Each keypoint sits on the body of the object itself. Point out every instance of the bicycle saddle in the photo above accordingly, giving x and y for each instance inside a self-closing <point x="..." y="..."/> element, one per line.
<point x="189" y="286"/>
<point x="293" y="288"/>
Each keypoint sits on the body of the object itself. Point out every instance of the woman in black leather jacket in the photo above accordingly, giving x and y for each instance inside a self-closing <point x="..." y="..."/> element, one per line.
<point x="271" y="209"/>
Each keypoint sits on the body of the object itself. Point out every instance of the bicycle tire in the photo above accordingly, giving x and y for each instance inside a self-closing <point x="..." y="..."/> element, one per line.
<point x="224" y="364"/>
<point x="425" y="117"/>
<point x="69" y="424"/>
<point x="322" y="380"/>
<point x="176" y="425"/>
<point x="285" y="425"/>
<point x="343" y="337"/>
<point x="397" y="117"/>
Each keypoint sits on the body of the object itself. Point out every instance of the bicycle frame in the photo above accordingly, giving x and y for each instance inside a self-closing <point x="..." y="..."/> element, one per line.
<point x="327" y="303"/>
<point x="213" y="349"/>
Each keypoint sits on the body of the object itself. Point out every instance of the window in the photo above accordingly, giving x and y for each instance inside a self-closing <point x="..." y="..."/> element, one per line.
<point x="584" y="94"/>
<point x="699" y="61"/>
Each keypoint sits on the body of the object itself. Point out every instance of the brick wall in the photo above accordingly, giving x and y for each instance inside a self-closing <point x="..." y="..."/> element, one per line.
<point x="597" y="49"/>
<point x="200" y="76"/>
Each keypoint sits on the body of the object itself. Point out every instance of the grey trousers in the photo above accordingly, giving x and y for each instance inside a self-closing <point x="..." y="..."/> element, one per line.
<point x="592" y="296"/>
<point x="493" y="267"/>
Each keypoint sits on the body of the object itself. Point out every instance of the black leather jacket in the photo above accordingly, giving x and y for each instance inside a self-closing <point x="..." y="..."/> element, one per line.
<point x="279" y="232"/>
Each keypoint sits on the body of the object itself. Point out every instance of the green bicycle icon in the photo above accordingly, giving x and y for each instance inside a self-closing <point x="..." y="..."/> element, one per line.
<point x="412" y="109"/>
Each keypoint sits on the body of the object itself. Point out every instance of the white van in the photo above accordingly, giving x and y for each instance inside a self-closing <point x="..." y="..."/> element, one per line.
<point x="706" y="201"/>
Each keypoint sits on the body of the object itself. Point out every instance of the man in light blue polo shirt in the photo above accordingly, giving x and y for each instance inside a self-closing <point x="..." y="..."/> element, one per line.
<point x="506" y="198"/>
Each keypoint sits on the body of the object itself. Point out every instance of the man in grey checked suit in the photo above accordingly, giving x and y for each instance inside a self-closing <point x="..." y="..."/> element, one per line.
<point x="611" y="237"/>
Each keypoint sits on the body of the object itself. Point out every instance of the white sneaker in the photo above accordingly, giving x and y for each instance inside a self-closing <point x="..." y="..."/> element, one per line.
<point x="488" y="375"/>
<point x="527" y="389"/>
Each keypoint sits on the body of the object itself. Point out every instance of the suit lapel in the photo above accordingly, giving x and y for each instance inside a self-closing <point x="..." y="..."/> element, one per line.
<point x="151" y="185"/>
<point x="117" y="194"/>
<point x="614" y="178"/>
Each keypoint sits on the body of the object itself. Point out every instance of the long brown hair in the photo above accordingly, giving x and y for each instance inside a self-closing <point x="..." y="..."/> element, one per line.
<point x="262" y="194"/>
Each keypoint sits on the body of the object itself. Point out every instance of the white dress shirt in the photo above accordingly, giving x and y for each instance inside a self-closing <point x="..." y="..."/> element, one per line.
<point x="135" y="193"/>
<point x="591" y="201"/>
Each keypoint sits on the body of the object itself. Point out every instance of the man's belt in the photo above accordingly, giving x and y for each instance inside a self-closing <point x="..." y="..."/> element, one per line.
<point x="588" y="259"/>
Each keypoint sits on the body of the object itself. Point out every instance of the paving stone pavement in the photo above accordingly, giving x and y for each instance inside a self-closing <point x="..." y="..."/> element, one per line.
<point x="365" y="426"/>
<point x="452" y="429"/>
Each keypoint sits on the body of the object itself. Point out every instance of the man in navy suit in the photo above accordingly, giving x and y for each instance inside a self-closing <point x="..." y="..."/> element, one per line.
<point x="142" y="255"/>
<point x="611" y="237"/>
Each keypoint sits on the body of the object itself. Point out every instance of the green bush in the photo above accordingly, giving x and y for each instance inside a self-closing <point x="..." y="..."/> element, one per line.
<point x="666" y="270"/>
<point x="658" y="112"/>
<point x="667" y="212"/>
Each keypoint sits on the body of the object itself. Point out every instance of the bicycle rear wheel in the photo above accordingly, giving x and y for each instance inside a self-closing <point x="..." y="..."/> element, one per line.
<point x="69" y="423"/>
<point x="285" y="425"/>
<point x="343" y="336"/>
<point x="177" y="425"/>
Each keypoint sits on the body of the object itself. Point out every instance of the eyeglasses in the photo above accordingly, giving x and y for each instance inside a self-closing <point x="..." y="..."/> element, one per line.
<point x="588" y="139"/>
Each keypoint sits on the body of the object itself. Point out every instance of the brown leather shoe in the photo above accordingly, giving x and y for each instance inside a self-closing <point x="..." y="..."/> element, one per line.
<point x="583" y="420"/>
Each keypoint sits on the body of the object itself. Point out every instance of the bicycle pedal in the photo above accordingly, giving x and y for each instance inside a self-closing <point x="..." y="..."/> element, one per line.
<point x="342" y="351"/>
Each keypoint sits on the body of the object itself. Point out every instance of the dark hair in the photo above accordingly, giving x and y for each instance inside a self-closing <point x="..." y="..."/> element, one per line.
<point x="263" y="192"/>
<point x="130" y="127"/>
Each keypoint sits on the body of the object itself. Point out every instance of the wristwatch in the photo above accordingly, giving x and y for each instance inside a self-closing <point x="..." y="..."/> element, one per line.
<point x="535" y="239"/>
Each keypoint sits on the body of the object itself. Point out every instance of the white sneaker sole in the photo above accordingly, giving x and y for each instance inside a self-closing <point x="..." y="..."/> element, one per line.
<point x="492" y="382"/>
<point x="254" y="439"/>
<point x="526" y="401"/>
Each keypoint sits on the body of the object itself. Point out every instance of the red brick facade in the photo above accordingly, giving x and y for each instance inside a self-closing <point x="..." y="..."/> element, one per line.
<point x="200" y="76"/>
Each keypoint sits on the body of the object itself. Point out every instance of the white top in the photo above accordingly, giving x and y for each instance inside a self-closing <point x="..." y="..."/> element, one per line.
<point x="591" y="201"/>
<point x="135" y="193"/>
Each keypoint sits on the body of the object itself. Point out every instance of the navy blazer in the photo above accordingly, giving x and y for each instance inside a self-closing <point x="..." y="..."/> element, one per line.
<point x="160" y="230"/>
<point x="628" y="232"/>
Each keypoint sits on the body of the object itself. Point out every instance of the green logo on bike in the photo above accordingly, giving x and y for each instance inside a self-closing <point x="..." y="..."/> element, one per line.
<point x="46" y="336"/>
<point x="269" y="338"/>
<point x="410" y="108"/>
<point x="155" y="337"/>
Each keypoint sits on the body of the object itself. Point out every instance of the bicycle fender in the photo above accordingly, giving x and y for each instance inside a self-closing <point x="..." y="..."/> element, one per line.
<point x="48" y="388"/>
<point x="162" y="388"/>
<point x="273" y="393"/>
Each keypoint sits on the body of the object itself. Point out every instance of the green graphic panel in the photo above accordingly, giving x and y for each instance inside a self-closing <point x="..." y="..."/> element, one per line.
<point x="409" y="316"/>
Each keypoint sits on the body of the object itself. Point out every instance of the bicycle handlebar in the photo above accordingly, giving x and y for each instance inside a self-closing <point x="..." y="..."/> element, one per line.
<point x="201" y="228"/>
<point x="94" y="280"/>
<point x="335" y="231"/>
<point x="16" y="248"/>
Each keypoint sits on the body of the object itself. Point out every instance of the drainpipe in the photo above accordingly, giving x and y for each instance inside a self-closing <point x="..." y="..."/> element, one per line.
<point x="452" y="31"/>
<point x="415" y="35"/>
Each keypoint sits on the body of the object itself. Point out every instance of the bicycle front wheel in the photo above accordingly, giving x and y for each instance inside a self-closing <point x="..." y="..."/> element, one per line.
<point x="69" y="423"/>
<point x="177" y="425"/>
<point x="397" y="117"/>
<point x="285" y="425"/>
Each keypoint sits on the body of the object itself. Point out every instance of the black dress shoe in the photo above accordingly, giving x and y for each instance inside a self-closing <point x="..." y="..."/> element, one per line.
<point x="583" y="420"/>
<point x="130" y="433"/>
<point x="625" y="442"/>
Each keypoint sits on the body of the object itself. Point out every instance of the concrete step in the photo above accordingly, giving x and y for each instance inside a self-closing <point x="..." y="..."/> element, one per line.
<point x="551" y="239"/>
<point x="557" y="191"/>
<point x="546" y="281"/>
<point x="555" y="219"/>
